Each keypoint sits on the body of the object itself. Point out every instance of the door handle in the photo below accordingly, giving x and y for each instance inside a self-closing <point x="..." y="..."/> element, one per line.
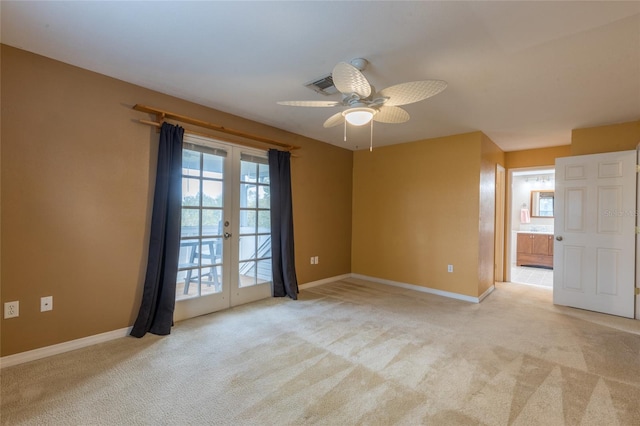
<point x="227" y="235"/>
<point x="559" y="238"/>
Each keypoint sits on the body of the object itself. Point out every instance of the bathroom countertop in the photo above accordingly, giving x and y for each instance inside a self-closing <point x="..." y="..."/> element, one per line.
<point x="535" y="232"/>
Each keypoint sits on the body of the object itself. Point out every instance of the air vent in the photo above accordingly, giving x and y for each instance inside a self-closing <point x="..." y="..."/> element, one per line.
<point x="323" y="85"/>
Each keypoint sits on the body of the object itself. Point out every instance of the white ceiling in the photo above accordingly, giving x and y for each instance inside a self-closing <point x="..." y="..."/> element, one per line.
<point x="524" y="73"/>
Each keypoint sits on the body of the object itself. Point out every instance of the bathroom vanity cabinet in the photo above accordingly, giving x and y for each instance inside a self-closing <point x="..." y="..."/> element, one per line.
<point x="535" y="249"/>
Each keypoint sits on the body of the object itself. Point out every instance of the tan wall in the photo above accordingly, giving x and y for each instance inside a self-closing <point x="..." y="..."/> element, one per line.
<point x="322" y="210"/>
<point x="590" y="140"/>
<point x="540" y="157"/>
<point x="77" y="178"/>
<point x="415" y="210"/>
<point x="491" y="155"/>
<point x="616" y="137"/>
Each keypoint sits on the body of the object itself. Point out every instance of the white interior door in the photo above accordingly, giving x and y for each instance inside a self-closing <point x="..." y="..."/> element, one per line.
<point x="225" y="247"/>
<point x="595" y="219"/>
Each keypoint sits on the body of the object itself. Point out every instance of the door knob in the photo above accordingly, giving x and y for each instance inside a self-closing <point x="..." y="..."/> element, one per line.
<point x="227" y="235"/>
<point x="559" y="238"/>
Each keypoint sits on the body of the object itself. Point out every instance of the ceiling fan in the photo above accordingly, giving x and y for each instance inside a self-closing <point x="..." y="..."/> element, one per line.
<point x="364" y="104"/>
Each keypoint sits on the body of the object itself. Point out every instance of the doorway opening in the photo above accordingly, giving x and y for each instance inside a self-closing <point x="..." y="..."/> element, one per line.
<point x="531" y="226"/>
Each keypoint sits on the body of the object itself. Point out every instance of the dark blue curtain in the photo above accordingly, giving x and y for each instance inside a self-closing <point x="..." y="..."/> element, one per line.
<point x="285" y="282"/>
<point x="159" y="293"/>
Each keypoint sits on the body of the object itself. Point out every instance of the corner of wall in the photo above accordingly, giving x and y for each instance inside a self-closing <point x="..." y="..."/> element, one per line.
<point x="490" y="156"/>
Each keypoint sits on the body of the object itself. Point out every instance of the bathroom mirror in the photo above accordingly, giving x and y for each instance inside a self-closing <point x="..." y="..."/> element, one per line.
<point x="542" y="203"/>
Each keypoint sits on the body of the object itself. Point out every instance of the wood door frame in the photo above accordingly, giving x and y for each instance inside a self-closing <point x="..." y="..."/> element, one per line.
<point x="637" y="275"/>
<point x="500" y="212"/>
<point x="509" y="208"/>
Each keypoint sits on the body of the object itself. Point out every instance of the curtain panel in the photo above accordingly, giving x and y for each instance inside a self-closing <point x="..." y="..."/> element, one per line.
<point x="285" y="282"/>
<point x="159" y="292"/>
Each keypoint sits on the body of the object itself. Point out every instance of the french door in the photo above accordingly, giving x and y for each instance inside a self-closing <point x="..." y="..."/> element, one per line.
<point x="225" y="240"/>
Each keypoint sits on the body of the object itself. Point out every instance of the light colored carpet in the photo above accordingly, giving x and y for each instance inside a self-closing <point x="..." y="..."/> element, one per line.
<point x="348" y="353"/>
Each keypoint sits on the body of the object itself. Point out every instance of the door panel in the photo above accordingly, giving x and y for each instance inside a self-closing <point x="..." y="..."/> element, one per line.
<point x="607" y="266"/>
<point x="574" y="212"/>
<point x="572" y="268"/>
<point x="594" y="248"/>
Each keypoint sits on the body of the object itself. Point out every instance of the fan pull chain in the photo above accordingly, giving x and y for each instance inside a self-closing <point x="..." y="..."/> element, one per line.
<point x="371" y="141"/>
<point x="345" y="130"/>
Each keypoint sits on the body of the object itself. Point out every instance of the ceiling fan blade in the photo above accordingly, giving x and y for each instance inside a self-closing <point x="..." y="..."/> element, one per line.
<point x="321" y="104"/>
<point x="391" y="114"/>
<point x="414" y="91"/>
<point x="348" y="79"/>
<point x="334" y="120"/>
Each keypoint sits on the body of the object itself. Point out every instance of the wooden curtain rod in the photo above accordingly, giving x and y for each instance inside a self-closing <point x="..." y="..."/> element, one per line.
<point x="162" y="115"/>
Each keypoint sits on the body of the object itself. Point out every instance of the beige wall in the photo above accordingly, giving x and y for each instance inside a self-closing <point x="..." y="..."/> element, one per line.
<point x="616" y="137"/>
<point x="589" y="140"/>
<point x="322" y="210"/>
<point x="77" y="177"/>
<point x="540" y="157"/>
<point x="416" y="209"/>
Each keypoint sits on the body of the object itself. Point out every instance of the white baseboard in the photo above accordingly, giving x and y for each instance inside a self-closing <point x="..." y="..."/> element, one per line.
<point x="425" y="289"/>
<point x="324" y="281"/>
<point x="22" y="357"/>
<point x="486" y="293"/>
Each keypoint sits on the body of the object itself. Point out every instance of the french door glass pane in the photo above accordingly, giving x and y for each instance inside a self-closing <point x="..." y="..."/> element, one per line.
<point x="247" y="247"/>
<point x="264" y="221"/>
<point x="264" y="274"/>
<point x="264" y="197"/>
<point x="190" y="192"/>
<point x="265" y="242"/>
<point x="211" y="222"/>
<point x="213" y="166"/>
<point x="212" y="193"/>
<point x="200" y="258"/>
<point x="255" y="222"/>
<point x="247" y="275"/>
<point x="190" y="223"/>
<point x="190" y="163"/>
<point x="247" y="222"/>
<point x="248" y="195"/>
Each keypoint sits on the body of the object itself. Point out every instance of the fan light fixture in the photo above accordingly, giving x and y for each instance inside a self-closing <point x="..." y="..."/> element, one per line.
<point x="364" y="104"/>
<point x="359" y="116"/>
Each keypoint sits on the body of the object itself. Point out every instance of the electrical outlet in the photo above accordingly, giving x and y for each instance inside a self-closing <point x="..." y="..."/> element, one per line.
<point x="11" y="309"/>
<point x="46" y="303"/>
<point x="449" y="268"/>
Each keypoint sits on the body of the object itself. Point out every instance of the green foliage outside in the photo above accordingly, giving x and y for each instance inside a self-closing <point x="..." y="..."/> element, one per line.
<point x="190" y="217"/>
